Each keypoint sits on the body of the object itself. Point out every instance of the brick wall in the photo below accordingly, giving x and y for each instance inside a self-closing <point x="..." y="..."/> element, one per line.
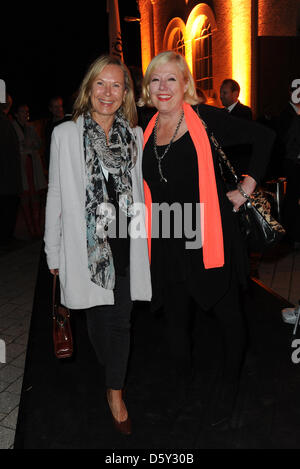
<point x="278" y="18"/>
<point x="275" y="18"/>
<point x="222" y="45"/>
<point x="147" y="34"/>
<point x="164" y="11"/>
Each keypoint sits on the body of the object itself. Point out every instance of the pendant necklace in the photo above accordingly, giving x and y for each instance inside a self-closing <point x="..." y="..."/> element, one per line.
<point x="160" y="158"/>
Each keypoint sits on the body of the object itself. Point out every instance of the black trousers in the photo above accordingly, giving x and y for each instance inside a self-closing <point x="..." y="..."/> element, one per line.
<point x="109" y="332"/>
<point x="178" y="318"/>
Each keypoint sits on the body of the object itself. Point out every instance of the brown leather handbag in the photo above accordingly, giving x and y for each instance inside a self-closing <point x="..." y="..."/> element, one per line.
<point x="62" y="332"/>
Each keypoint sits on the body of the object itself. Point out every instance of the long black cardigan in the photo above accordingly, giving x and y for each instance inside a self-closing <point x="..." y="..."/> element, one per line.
<point x="209" y="285"/>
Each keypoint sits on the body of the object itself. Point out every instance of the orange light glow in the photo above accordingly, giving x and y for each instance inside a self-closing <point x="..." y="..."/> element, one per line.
<point x="146" y="59"/>
<point x="195" y="20"/>
<point x="241" y="27"/>
<point x="174" y="25"/>
<point x="241" y="47"/>
<point x="194" y="24"/>
<point x="146" y="49"/>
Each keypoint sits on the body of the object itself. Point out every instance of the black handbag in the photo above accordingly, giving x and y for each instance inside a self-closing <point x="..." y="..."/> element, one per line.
<point x="257" y="225"/>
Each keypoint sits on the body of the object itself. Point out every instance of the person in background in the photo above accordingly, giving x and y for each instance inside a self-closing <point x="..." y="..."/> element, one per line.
<point x="269" y="118"/>
<point x="202" y="95"/>
<point x="94" y="181"/>
<point x="287" y="116"/>
<point x="289" y="150"/>
<point x="229" y="95"/>
<point x="33" y="178"/>
<point x="144" y="113"/>
<point x="57" y="116"/>
<point x="7" y="106"/>
<point x="10" y="177"/>
<point x="238" y="155"/>
<point x="292" y="170"/>
<point x="180" y="167"/>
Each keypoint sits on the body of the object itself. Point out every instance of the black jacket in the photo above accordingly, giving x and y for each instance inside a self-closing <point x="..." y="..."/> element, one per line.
<point x="242" y="111"/>
<point x="239" y="155"/>
<point x="230" y="131"/>
<point x="210" y="284"/>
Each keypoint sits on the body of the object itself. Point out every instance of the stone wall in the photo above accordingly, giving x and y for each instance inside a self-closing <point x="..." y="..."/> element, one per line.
<point x="274" y="18"/>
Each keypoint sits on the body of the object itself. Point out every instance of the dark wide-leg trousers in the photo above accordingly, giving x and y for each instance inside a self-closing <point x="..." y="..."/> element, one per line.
<point x="178" y="318"/>
<point x="109" y="332"/>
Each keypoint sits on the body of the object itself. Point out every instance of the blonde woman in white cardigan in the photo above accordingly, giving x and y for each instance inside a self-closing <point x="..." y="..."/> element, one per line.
<point x="95" y="162"/>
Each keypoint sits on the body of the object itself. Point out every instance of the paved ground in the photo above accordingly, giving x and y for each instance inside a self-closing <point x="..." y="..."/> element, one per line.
<point x="18" y="271"/>
<point x="279" y="270"/>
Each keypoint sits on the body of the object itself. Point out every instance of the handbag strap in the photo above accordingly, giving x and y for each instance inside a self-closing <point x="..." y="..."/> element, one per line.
<point x="223" y="156"/>
<point x="218" y="148"/>
<point x="54" y="295"/>
<point x="59" y="312"/>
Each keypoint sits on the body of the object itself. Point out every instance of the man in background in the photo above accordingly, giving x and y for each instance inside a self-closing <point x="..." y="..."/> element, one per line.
<point x="10" y="177"/>
<point x="289" y="144"/>
<point x="238" y="155"/>
<point x="229" y="95"/>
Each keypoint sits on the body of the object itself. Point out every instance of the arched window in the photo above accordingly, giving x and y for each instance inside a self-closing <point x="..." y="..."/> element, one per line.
<point x="203" y="57"/>
<point x="174" y="38"/>
<point x="178" y="42"/>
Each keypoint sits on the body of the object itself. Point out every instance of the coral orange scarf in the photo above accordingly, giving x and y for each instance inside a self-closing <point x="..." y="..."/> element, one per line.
<point x="211" y="225"/>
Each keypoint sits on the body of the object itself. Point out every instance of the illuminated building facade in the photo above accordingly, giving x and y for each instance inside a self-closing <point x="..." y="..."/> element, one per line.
<point x="255" y="42"/>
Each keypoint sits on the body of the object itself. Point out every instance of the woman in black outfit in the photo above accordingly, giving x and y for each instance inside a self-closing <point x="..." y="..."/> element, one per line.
<point x="180" y="166"/>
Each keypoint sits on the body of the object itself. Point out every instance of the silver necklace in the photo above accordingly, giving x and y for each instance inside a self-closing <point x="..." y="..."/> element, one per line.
<point x="160" y="158"/>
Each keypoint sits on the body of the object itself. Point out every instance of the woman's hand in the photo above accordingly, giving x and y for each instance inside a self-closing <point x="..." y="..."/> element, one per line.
<point x="236" y="198"/>
<point x="54" y="271"/>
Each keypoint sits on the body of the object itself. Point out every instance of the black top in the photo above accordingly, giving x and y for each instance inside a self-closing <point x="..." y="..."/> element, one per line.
<point x="120" y="243"/>
<point x="230" y="130"/>
<point x="170" y="261"/>
<point x="179" y="166"/>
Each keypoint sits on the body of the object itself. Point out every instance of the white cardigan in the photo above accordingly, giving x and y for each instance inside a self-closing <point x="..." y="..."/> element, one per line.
<point x="65" y="228"/>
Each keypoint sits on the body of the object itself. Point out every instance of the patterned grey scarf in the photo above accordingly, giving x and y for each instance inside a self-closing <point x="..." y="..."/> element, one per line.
<point x="118" y="158"/>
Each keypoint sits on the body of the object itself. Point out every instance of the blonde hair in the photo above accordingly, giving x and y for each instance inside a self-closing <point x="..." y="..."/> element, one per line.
<point x="190" y="95"/>
<point x="83" y="104"/>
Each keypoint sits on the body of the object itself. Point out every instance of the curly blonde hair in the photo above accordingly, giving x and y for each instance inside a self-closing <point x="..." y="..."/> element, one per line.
<point x="83" y="104"/>
<point x="190" y="95"/>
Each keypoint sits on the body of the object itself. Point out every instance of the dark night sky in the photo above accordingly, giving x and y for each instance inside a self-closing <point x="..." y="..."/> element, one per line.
<point x="45" y="51"/>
